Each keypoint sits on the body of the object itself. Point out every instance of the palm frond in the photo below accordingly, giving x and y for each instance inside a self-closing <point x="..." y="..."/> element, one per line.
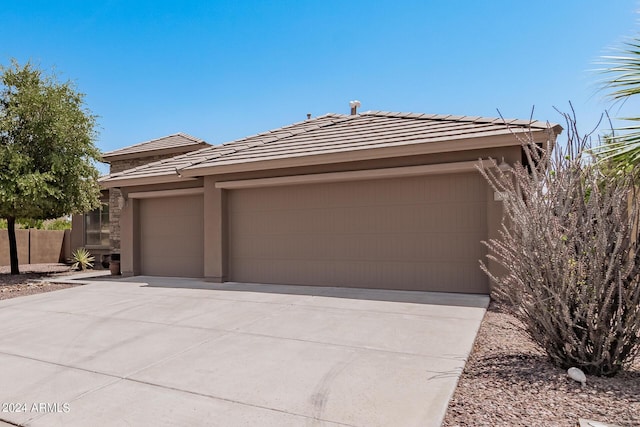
<point x="623" y="150"/>
<point x="623" y="79"/>
<point x="624" y="70"/>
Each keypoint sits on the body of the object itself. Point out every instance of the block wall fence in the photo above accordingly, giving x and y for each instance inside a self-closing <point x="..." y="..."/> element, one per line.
<point x="37" y="246"/>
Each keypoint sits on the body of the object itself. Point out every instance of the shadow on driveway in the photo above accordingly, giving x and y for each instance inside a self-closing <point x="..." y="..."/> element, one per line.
<point x="415" y="297"/>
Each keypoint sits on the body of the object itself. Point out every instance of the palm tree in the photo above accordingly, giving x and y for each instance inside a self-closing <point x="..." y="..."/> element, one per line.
<point x="623" y="72"/>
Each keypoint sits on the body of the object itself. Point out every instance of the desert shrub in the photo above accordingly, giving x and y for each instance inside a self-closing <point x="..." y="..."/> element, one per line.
<point x="3" y="224"/>
<point x="57" y="224"/>
<point x="568" y="255"/>
<point x="27" y="223"/>
<point x="63" y="223"/>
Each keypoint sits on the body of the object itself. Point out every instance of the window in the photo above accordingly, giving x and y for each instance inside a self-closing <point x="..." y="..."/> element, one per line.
<point x="96" y="226"/>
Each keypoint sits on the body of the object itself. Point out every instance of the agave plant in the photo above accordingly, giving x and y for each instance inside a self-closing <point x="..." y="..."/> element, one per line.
<point x="82" y="259"/>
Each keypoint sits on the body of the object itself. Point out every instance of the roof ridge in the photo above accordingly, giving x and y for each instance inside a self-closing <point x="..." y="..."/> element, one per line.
<point x="186" y="135"/>
<point x="272" y="133"/>
<point x="470" y="119"/>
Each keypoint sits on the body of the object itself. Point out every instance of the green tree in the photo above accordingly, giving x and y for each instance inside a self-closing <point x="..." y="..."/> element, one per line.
<point x="47" y="152"/>
<point x="623" y="149"/>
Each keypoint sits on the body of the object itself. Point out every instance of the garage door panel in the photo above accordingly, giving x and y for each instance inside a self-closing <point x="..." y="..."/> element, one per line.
<point x="174" y="266"/>
<point x="449" y="188"/>
<point x="440" y="277"/>
<point x="382" y="193"/>
<point x="333" y="195"/>
<point x="171" y="236"/>
<point x="419" y="233"/>
<point x="185" y="225"/>
<point x="157" y="246"/>
<point x="455" y="248"/>
<point x="370" y="247"/>
<point x="168" y="207"/>
<point x="405" y="246"/>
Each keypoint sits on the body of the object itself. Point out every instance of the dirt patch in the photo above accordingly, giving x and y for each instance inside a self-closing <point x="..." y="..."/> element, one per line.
<point x="30" y="280"/>
<point x="508" y="381"/>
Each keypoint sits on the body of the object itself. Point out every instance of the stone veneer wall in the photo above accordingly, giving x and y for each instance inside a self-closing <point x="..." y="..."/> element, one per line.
<point x="115" y="195"/>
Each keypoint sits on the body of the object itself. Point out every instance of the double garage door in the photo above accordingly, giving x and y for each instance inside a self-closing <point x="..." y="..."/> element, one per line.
<point x="418" y="233"/>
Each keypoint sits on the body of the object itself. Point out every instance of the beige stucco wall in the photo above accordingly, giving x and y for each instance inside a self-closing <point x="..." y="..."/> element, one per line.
<point x="77" y="232"/>
<point x="509" y="154"/>
<point x="37" y="246"/>
<point x="216" y="243"/>
<point x="130" y="234"/>
<point x="22" y="240"/>
<point x="215" y="232"/>
<point x="46" y="246"/>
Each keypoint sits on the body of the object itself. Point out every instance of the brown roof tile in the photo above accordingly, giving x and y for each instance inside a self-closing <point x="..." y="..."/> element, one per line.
<point x="167" y="142"/>
<point x="335" y="133"/>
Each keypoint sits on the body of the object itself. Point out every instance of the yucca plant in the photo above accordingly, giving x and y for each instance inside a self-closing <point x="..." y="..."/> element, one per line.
<point x="82" y="259"/>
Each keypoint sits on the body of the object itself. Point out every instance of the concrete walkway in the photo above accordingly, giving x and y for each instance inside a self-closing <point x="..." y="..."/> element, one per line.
<point x="160" y="351"/>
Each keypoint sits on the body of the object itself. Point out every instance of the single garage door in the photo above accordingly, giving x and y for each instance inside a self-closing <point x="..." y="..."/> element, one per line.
<point x="417" y="233"/>
<point x="171" y="236"/>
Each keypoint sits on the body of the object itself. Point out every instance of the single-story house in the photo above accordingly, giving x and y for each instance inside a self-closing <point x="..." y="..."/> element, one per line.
<point x="372" y="200"/>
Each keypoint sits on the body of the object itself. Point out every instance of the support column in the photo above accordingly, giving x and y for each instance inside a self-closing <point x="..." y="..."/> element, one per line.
<point x="495" y="214"/>
<point x="215" y="234"/>
<point x="130" y="238"/>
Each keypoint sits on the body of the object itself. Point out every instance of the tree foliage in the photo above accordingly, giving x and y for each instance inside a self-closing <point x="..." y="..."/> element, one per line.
<point x="63" y="223"/>
<point x="47" y="152"/>
<point x="569" y="256"/>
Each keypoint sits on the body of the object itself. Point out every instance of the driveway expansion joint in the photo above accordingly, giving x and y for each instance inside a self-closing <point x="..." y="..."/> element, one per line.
<point x="348" y="361"/>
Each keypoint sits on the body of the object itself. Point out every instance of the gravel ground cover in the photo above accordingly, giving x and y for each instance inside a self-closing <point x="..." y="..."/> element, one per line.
<point x="508" y="381"/>
<point x="28" y="282"/>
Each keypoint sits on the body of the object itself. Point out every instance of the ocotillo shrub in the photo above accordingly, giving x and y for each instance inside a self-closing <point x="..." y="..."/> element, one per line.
<point x="568" y="255"/>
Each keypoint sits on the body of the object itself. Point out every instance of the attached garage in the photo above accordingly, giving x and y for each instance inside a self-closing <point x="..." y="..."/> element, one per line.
<point x="372" y="200"/>
<point x="171" y="236"/>
<point x="417" y="233"/>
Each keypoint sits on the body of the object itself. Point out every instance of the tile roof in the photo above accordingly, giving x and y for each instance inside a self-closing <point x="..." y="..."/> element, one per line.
<point x="335" y="133"/>
<point x="177" y="140"/>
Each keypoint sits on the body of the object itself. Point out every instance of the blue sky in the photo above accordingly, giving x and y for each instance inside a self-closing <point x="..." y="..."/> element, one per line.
<point x="221" y="70"/>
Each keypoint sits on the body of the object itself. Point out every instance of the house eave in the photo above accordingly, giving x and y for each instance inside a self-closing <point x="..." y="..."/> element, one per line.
<point x="108" y="158"/>
<point x="144" y="180"/>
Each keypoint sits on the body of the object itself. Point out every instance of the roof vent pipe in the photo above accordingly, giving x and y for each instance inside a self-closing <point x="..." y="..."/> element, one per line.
<point x="308" y="116"/>
<point x="354" y="107"/>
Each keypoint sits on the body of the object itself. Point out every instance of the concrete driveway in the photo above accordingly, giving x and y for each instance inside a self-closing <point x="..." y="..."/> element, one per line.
<point x="166" y="351"/>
